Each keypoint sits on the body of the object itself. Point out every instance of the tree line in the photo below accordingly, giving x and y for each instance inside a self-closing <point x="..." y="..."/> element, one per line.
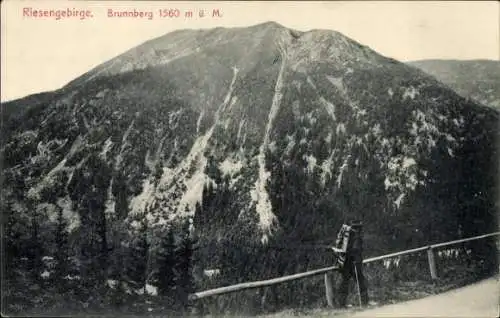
<point x="111" y="258"/>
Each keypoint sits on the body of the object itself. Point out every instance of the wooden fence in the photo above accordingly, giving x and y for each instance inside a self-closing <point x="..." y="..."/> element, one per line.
<point x="327" y="271"/>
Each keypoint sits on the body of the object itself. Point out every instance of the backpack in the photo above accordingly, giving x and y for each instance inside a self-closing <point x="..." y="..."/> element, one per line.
<point x="350" y="241"/>
<point x="342" y="243"/>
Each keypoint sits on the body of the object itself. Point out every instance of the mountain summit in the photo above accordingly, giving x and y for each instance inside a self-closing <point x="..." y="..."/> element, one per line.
<point x="260" y="133"/>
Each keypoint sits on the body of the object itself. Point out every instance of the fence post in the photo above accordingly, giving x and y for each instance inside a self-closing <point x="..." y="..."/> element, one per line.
<point x="329" y="289"/>
<point x="432" y="263"/>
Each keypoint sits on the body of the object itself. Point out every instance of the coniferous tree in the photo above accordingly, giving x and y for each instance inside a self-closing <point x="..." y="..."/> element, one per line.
<point x="117" y="268"/>
<point x="183" y="265"/>
<point x="35" y="248"/>
<point x="87" y="190"/>
<point x="117" y="237"/>
<point x="138" y="259"/>
<point x="13" y="244"/>
<point x="120" y="193"/>
<point x="101" y="181"/>
<point x="61" y="256"/>
<point x="103" y="259"/>
<point x="166" y="263"/>
<point x="198" y="219"/>
<point x="212" y="170"/>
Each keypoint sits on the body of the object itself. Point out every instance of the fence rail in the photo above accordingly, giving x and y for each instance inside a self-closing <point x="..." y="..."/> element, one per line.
<point x="427" y="247"/>
<point x="328" y="270"/>
<point x="262" y="283"/>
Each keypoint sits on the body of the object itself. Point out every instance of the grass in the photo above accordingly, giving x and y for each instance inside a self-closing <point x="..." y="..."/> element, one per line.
<point x="403" y="280"/>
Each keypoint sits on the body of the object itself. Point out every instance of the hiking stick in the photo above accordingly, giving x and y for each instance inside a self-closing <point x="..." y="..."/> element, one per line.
<point x="357" y="283"/>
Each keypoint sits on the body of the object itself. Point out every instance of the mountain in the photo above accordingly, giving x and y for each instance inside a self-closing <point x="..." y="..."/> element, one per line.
<point x="264" y="136"/>
<point x="475" y="79"/>
<point x="17" y="108"/>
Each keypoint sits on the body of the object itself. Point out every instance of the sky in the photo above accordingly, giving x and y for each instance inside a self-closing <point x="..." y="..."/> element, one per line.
<point x="43" y="53"/>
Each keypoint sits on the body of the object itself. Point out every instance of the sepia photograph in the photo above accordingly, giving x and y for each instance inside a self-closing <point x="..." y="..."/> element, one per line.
<point x="250" y="158"/>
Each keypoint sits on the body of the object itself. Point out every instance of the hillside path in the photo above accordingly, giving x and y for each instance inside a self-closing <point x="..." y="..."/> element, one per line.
<point x="478" y="300"/>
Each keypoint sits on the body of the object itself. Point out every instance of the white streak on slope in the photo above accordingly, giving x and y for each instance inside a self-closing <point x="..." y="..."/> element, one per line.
<point x="238" y="136"/>
<point x="198" y="122"/>
<point x="259" y="194"/>
<point x="329" y="107"/>
<point x="230" y="167"/>
<point x="196" y="182"/>
<point x="119" y="158"/>
<point x="140" y="203"/>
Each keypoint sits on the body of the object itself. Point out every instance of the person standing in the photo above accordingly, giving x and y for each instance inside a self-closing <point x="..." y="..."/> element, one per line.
<point x="349" y="250"/>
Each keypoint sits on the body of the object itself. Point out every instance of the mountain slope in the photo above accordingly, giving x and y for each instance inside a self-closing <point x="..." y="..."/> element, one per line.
<point x="475" y="79"/>
<point x="262" y="134"/>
